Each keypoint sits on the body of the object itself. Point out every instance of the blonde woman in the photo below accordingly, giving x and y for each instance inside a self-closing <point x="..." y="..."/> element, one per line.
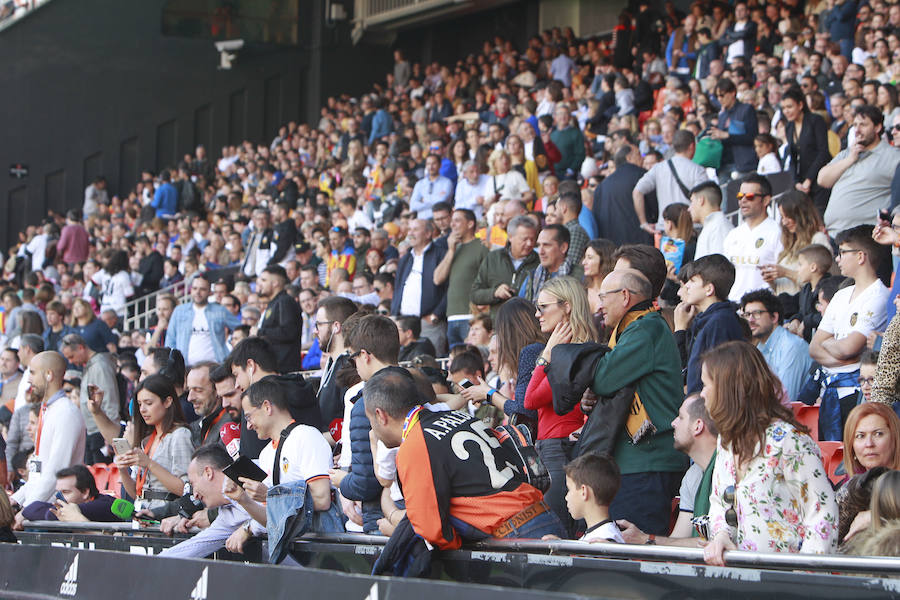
<point x="520" y="163"/>
<point x="506" y="183"/>
<point x="563" y="312"/>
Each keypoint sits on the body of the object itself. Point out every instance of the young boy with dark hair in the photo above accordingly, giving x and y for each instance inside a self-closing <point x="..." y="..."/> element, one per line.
<point x="704" y="318"/>
<point x="592" y="481"/>
<point x="813" y="265"/>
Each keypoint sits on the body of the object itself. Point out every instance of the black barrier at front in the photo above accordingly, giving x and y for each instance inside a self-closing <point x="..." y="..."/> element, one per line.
<point x="516" y="571"/>
<point x="50" y="572"/>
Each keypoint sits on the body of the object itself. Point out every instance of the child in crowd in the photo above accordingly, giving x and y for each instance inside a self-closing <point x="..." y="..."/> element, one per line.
<point x="813" y="266"/>
<point x="765" y="146"/>
<point x="704" y="318"/>
<point x="867" y="363"/>
<point x="592" y="481"/>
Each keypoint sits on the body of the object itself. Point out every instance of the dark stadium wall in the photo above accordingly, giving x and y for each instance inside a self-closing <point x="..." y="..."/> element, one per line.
<point x="93" y="87"/>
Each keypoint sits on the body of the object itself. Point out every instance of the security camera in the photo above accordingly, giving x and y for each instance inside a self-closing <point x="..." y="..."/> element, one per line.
<point x="226" y="58"/>
<point x="229" y="45"/>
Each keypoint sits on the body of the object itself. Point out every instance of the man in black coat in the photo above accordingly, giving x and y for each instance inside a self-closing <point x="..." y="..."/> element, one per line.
<point x="415" y="292"/>
<point x="150" y="267"/>
<point x="284" y="234"/>
<point x="282" y="323"/>
<point x="613" y="209"/>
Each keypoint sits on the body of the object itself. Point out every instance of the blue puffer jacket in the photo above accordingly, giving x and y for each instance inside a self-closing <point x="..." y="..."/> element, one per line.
<point x="361" y="483"/>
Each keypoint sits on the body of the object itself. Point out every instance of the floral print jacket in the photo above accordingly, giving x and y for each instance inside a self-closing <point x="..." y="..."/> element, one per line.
<point x="784" y="502"/>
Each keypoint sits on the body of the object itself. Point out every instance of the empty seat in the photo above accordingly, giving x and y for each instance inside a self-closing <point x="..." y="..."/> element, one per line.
<point x="833" y="459"/>
<point x="809" y="416"/>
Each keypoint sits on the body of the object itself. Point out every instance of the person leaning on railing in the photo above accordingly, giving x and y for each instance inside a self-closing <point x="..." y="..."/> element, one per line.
<point x="770" y="492"/>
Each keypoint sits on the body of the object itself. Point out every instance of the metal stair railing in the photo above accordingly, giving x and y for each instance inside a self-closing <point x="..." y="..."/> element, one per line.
<point x="139" y="311"/>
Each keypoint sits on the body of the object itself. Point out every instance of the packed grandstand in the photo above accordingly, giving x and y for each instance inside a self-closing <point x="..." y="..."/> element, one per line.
<point x="633" y="289"/>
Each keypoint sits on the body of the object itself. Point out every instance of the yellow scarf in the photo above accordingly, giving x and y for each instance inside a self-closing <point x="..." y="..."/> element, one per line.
<point x="638" y="423"/>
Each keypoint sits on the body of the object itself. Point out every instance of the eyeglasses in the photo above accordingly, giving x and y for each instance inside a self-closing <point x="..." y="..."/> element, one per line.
<point x="355" y="355"/>
<point x="730" y="514"/>
<point x="543" y="307"/>
<point x="753" y="313"/>
<point x="602" y="295"/>
<point x="865" y="381"/>
<point x="326" y="323"/>
<point x="895" y="127"/>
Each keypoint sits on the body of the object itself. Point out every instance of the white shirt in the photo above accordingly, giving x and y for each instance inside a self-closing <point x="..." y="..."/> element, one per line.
<point x="737" y="48"/>
<point x="20" y="391"/>
<point x="864" y="314"/>
<point x="466" y="193"/>
<point x="711" y="240"/>
<point x="305" y="456"/>
<point x="359" y="219"/>
<point x="116" y="290"/>
<point x="607" y="531"/>
<point x="748" y="249"/>
<point x="768" y="164"/>
<point x="38" y="248"/>
<point x="411" y="302"/>
<point x="349" y="395"/>
<point x="62" y="445"/>
<point x="200" y="347"/>
<point x="660" y="179"/>
<point x="509" y="186"/>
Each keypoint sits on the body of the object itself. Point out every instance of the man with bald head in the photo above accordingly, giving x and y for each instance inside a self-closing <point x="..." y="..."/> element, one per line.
<point x="60" y="435"/>
<point x="643" y="356"/>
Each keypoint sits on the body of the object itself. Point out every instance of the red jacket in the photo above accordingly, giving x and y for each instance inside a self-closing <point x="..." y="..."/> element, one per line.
<point x="539" y="397"/>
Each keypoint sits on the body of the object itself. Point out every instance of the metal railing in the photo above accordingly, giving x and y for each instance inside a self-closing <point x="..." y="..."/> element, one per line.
<point x="373" y="12"/>
<point x="139" y="311"/>
<point x="829" y="563"/>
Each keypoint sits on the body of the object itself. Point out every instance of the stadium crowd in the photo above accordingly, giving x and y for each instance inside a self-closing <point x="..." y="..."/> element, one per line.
<point x="555" y="221"/>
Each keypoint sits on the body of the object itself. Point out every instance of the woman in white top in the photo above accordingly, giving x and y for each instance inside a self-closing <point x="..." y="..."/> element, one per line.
<point x="800" y="227"/>
<point x="117" y="288"/>
<point x="506" y="183"/>
<point x="472" y="189"/>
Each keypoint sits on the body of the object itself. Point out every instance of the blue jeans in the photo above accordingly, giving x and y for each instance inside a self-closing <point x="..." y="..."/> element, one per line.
<point x="555" y="454"/>
<point x="538" y="527"/>
<point x="645" y="499"/>
<point x="457" y="332"/>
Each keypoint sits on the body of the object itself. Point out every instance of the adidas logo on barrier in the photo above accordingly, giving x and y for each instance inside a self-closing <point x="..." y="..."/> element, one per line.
<point x="70" y="582"/>
<point x="373" y="592"/>
<point x="199" y="592"/>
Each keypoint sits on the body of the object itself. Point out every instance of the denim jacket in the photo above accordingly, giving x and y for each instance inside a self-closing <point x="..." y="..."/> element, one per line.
<point x="290" y="513"/>
<point x="178" y="335"/>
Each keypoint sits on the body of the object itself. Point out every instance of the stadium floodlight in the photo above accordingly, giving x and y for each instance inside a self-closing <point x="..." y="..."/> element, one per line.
<point x="227" y="52"/>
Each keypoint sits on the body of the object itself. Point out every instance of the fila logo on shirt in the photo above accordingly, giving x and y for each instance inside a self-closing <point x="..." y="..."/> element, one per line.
<point x="199" y="591"/>
<point x="70" y="582"/>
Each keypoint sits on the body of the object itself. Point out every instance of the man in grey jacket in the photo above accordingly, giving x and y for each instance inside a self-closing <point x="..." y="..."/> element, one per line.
<point x="99" y="370"/>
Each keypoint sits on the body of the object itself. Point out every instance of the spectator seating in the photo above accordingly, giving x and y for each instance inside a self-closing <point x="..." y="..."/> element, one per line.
<point x="833" y="459"/>
<point x="809" y="416"/>
<point x="107" y="479"/>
